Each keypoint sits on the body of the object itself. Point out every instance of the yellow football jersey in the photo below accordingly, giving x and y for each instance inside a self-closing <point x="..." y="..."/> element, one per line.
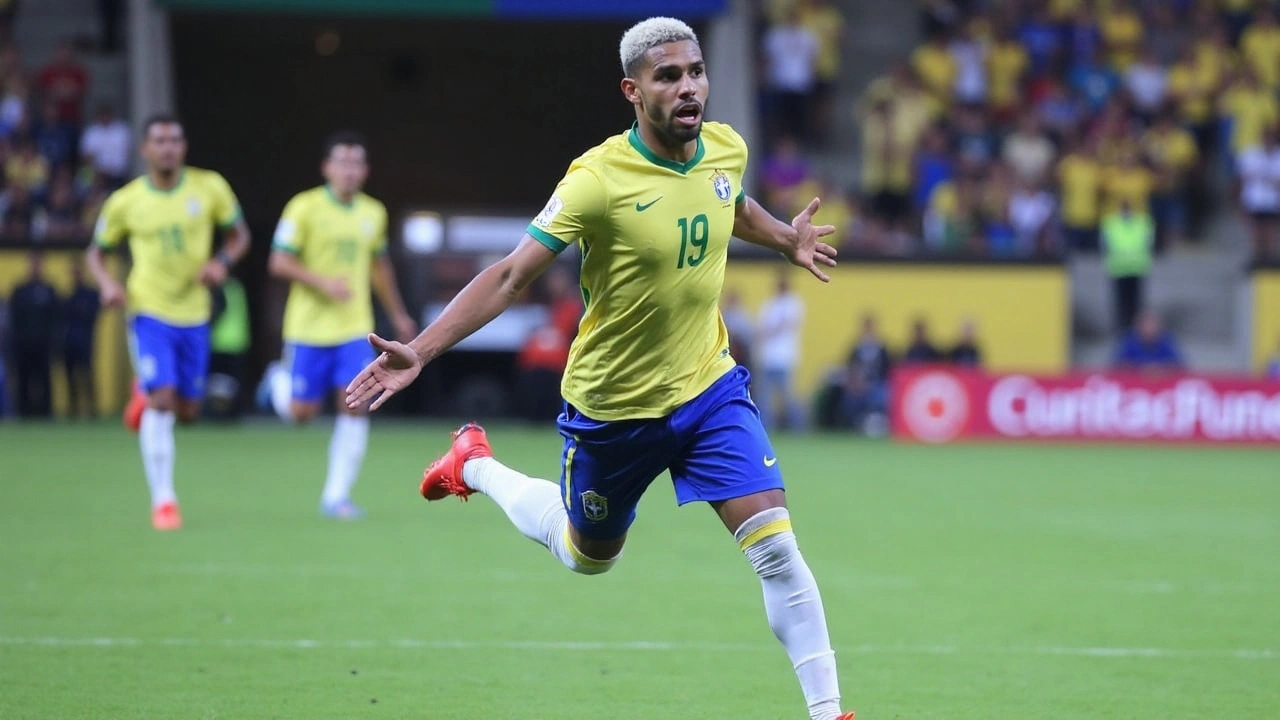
<point x="334" y="240"/>
<point x="170" y="235"/>
<point x="654" y="236"/>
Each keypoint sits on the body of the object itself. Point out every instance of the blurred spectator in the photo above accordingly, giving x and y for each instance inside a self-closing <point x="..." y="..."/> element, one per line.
<point x="969" y="57"/>
<point x="540" y="365"/>
<point x="1236" y="14"/>
<point x="105" y="146"/>
<point x="777" y="346"/>
<point x="33" y="320"/>
<point x="857" y="394"/>
<point x="1127" y="181"/>
<point x="564" y="300"/>
<point x="1031" y="210"/>
<point x="1040" y="38"/>
<point x="61" y="219"/>
<point x="920" y="349"/>
<point x="888" y="141"/>
<point x="13" y="104"/>
<point x="781" y="173"/>
<point x="1148" y="347"/>
<point x="229" y="333"/>
<point x="737" y="321"/>
<point x="1246" y="108"/>
<point x="1166" y="32"/>
<point x="64" y="81"/>
<point x="790" y="71"/>
<point x="1059" y="111"/>
<point x="55" y="139"/>
<point x="936" y="69"/>
<point x="826" y="23"/>
<point x="972" y="139"/>
<point x="1122" y="33"/>
<point x="1028" y="151"/>
<point x="1094" y="81"/>
<point x="966" y="351"/>
<point x="19" y="212"/>
<point x="1079" y="185"/>
<point x="1193" y="80"/>
<point x="1260" y="46"/>
<point x="1083" y="37"/>
<point x="26" y="167"/>
<point x="1147" y="82"/>
<point x="1260" y="192"/>
<point x="79" y="316"/>
<point x="1173" y="155"/>
<point x="1007" y="63"/>
<point x="932" y="166"/>
<point x="1128" y="239"/>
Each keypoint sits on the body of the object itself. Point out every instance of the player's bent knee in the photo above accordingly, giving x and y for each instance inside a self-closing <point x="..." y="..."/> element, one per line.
<point x="188" y="411"/>
<point x="580" y="562"/>
<point x="768" y="542"/>
<point x="304" y="412"/>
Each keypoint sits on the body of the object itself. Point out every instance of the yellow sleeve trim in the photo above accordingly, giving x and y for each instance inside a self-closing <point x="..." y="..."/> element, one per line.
<point x="764" y="531"/>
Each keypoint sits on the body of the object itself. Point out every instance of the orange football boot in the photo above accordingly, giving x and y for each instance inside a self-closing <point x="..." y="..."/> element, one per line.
<point x="444" y="477"/>
<point x="166" y="517"/>
<point x="133" y="410"/>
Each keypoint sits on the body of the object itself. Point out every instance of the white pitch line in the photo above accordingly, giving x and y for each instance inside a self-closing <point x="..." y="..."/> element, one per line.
<point x="639" y="645"/>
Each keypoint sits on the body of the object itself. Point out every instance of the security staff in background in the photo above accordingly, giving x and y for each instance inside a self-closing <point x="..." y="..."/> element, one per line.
<point x="34" y="310"/>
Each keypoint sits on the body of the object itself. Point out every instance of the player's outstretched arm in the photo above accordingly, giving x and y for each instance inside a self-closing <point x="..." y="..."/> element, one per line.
<point x="109" y="288"/>
<point x="383" y="278"/>
<point x="482" y="300"/>
<point x="798" y="242"/>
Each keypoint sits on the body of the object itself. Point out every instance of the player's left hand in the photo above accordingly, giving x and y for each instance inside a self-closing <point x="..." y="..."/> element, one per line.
<point x="213" y="273"/>
<point x="406" y="328"/>
<point x="809" y="252"/>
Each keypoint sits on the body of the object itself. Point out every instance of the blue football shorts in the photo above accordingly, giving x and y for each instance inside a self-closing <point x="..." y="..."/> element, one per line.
<point x="167" y="355"/>
<point x="319" y="369"/>
<point x="715" y="447"/>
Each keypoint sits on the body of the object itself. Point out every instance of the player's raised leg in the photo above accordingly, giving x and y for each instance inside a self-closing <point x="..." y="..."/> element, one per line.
<point x="731" y="464"/>
<point x="586" y="532"/>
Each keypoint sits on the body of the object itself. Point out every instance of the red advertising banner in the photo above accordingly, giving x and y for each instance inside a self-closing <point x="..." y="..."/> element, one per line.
<point x="942" y="404"/>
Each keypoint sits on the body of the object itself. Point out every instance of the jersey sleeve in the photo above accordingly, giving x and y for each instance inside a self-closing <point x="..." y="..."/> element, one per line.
<point x="226" y="208"/>
<point x="576" y="207"/>
<point x="291" y="231"/>
<point x="111" y="228"/>
<point x="741" y="145"/>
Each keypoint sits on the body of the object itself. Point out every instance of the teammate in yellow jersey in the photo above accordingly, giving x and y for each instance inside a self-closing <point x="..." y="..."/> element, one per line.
<point x="168" y="216"/>
<point x="650" y="385"/>
<point x="331" y="245"/>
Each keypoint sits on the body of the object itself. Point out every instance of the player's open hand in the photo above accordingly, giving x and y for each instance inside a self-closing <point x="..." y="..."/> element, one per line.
<point x="809" y="252"/>
<point x="396" y="366"/>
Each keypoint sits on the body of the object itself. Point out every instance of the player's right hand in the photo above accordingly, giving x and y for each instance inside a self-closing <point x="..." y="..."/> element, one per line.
<point x="396" y="366"/>
<point x="111" y="294"/>
<point x="337" y="290"/>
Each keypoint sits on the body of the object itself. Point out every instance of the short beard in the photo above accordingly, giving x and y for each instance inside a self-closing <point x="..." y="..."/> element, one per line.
<point x="671" y="134"/>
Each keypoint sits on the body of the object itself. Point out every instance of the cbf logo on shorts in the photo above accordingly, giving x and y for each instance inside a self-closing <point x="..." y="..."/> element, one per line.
<point x="935" y="407"/>
<point x="595" y="506"/>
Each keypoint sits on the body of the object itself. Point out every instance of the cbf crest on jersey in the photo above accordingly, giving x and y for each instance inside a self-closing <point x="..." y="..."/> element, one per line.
<point x="544" y="218"/>
<point x="193" y="206"/>
<point x="720" y="182"/>
<point x="366" y="227"/>
<point x="595" y="506"/>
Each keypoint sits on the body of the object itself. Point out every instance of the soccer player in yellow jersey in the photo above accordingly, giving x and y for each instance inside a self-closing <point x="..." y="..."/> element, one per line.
<point x="650" y="384"/>
<point x="168" y="217"/>
<point x="331" y="245"/>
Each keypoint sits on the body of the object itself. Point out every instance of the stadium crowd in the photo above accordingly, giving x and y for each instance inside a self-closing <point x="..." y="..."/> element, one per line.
<point x="1024" y="128"/>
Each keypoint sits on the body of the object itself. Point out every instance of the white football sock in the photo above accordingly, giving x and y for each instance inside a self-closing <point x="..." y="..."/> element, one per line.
<point x="346" y="453"/>
<point x="282" y="392"/>
<point x="534" y="507"/>
<point x="794" y="607"/>
<point x="155" y="437"/>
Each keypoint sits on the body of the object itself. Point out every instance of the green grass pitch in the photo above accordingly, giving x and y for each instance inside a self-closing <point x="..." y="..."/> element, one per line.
<point x="961" y="583"/>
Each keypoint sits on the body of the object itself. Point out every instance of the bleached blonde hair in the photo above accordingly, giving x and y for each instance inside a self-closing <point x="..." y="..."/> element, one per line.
<point x="648" y="34"/>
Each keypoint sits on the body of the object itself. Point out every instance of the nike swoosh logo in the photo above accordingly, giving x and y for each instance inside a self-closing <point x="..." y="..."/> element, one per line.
<point x="642" y="208"/>
<point x="770" y="461"/>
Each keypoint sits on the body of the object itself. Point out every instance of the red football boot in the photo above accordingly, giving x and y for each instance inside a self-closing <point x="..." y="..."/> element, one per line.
<point x="133" y="410"/>
<point x="444" y="477"/>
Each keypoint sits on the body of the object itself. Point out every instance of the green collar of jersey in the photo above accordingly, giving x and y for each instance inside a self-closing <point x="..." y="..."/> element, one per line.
<point x="182" y="177"/>
<point x="651" y="156"/>
<point x="337" y="200"/>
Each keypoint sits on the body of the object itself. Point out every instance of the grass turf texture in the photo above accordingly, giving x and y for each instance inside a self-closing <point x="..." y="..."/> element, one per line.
<point x="960" y="583"/>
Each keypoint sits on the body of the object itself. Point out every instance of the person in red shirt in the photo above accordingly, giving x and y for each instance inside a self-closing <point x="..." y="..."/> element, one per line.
<point x="64" y="82"/>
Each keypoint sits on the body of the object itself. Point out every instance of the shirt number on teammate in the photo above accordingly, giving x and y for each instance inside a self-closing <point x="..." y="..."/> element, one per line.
<point x="171" y="240"/>
<point x="347" y="251"/>
<point x="693" y="231"/>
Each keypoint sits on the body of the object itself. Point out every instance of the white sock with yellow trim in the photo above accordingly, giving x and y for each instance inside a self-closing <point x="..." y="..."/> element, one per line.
<point x="534" y="506"/>
<point x="793" y="606"/>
